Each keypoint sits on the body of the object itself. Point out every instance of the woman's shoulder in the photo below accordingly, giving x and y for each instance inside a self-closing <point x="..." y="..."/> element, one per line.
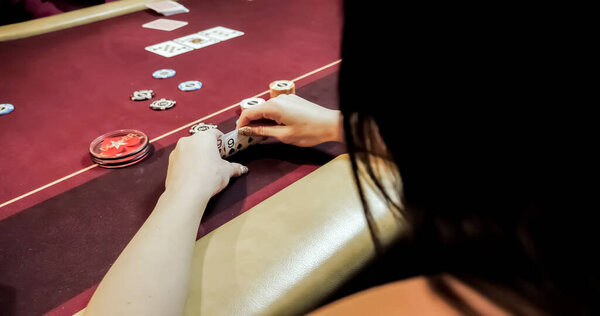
<point x="412" y="296"/>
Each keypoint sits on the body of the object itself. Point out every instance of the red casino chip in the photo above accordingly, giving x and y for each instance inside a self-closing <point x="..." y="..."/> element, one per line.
<point x="119" y="148"/>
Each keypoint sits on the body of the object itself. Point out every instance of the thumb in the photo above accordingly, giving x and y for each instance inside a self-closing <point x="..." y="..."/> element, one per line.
<point x="237" y="169"/>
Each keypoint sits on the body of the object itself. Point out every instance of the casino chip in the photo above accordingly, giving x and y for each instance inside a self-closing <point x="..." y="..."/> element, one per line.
<point x="282" y="87"/>
<point x="163" y="73"/>
<point x="251" y="102"/>
<point x="191" y="85"/>
<point x="201" y="127"/>
<point x="142" y="95"/>
<point x="162" y="104"/>
<point x="121" y="148"/>
<point x="6" y="108"/>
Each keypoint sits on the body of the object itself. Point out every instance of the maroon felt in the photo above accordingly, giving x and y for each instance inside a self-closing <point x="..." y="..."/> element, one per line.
<point x="81" y="178"/>
<point x="70" y="86"/>
<point x="56" y="250"/>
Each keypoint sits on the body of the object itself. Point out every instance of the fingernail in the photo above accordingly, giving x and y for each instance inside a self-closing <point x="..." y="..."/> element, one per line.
<point x="244" y="169"/>
<point x="246" y="131"/>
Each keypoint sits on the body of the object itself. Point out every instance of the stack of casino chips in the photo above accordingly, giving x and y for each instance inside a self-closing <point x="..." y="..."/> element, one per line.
<point x="120" y="148"/>
<point x="281" y="87"/>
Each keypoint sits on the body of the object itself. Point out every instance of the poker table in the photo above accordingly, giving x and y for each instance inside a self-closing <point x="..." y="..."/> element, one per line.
<point x="63" y="219"/>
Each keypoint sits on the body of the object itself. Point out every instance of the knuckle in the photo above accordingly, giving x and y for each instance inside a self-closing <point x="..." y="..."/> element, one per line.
<point x="259" y="130"/>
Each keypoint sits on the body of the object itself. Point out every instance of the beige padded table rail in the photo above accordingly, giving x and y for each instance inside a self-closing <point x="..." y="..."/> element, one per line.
<point x="71" y="19"/>
<point x="287" y="254"/>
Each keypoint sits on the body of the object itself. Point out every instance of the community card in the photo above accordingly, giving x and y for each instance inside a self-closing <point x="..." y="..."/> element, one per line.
<point x="165" y="24"/>
<point x="196" y="41"/>
<point x="221" y="33"/>
<point x="169" y="49"/>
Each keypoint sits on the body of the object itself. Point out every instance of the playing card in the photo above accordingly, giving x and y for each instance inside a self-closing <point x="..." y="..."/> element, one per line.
<point x="233" y="142"/>
<point x="196" y="41"/>
<point x="169" y="49"/>
<point x="164" y="24"/>
<point x="167" y="7"/>
<point x="175" y="11"/>
<point x="221" y="33"/>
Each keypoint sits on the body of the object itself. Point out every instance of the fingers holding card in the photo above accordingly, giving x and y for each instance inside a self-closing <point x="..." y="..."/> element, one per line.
<point x="233" y="142"/>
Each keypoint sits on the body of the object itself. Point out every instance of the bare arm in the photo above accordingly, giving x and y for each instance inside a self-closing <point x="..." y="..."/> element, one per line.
<point x="151" y="275"/>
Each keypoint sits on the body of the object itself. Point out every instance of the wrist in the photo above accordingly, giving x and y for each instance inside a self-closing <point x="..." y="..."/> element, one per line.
<point x="335" y="131"/>
<point x="189" y="194"/>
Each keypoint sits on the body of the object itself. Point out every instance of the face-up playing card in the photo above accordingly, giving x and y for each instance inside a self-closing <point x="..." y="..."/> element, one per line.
<point x="196" y="41"/>
<point x="164" y="24"/>
<point x="233" y="142"/>
<point x="221" y="33"/>
<point x="169" y="49"/>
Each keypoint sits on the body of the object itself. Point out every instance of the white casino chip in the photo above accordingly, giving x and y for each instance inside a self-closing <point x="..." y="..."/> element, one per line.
<point x="6" y="108"/>
<point x="281" y="85"/>
<point x="162" y="104"/>
<point x="201" y="127"/>
<point x="163" y="73"/>
<point x="251" y="102"/>
<point x="191" y="85"/>
<point x="142" y="95"/>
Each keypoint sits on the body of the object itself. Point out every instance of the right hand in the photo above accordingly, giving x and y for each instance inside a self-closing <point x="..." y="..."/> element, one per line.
<point x="297" y="121"/>
<point x="195" y="163"/>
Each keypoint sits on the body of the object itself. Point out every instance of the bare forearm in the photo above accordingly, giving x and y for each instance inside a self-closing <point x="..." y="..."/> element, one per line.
<point x="335" y="127"/>
<point x="151" y="275"/>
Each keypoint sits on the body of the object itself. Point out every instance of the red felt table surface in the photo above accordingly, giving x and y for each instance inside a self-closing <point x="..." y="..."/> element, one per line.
<point x="71" y="86"/>
<point x="60" y="235"/>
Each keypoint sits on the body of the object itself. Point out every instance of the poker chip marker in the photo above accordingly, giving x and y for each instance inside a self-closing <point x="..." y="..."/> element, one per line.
<point x="191" y="85"/>
<point x="163" y="73"/>
<point x="201" y="127"/>
<point x="250" y="102"/>
<point x="142" y="95"/>
<point x="162" y="104"/>
<point x="6" y="108"/>
<point x="120" y="148"/>
<point x="281" y="87"/>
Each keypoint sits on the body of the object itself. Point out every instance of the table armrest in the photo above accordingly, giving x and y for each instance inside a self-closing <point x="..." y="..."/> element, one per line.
<point x="71" y="19"/>
<point x="287" y="254"/>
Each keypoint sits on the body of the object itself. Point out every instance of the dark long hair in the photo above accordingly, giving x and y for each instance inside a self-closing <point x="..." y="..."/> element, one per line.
<point x="476" y="112"/>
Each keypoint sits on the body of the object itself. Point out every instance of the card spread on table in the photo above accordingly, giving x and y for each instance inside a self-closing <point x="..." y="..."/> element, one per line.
<point x="169" y="49"/>
<point x="190" y="42"/>
<point x="221" y="33"/>
<point x="165" y="24"/>
<point x="196" y="41"/>
<point x="167" y="7"/>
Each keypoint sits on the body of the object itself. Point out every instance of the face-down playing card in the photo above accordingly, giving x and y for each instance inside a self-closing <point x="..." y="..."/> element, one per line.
<point x="165" y="24"/>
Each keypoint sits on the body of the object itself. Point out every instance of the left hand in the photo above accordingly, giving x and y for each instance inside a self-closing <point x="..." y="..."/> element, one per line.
<point x="195" y="163"/>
